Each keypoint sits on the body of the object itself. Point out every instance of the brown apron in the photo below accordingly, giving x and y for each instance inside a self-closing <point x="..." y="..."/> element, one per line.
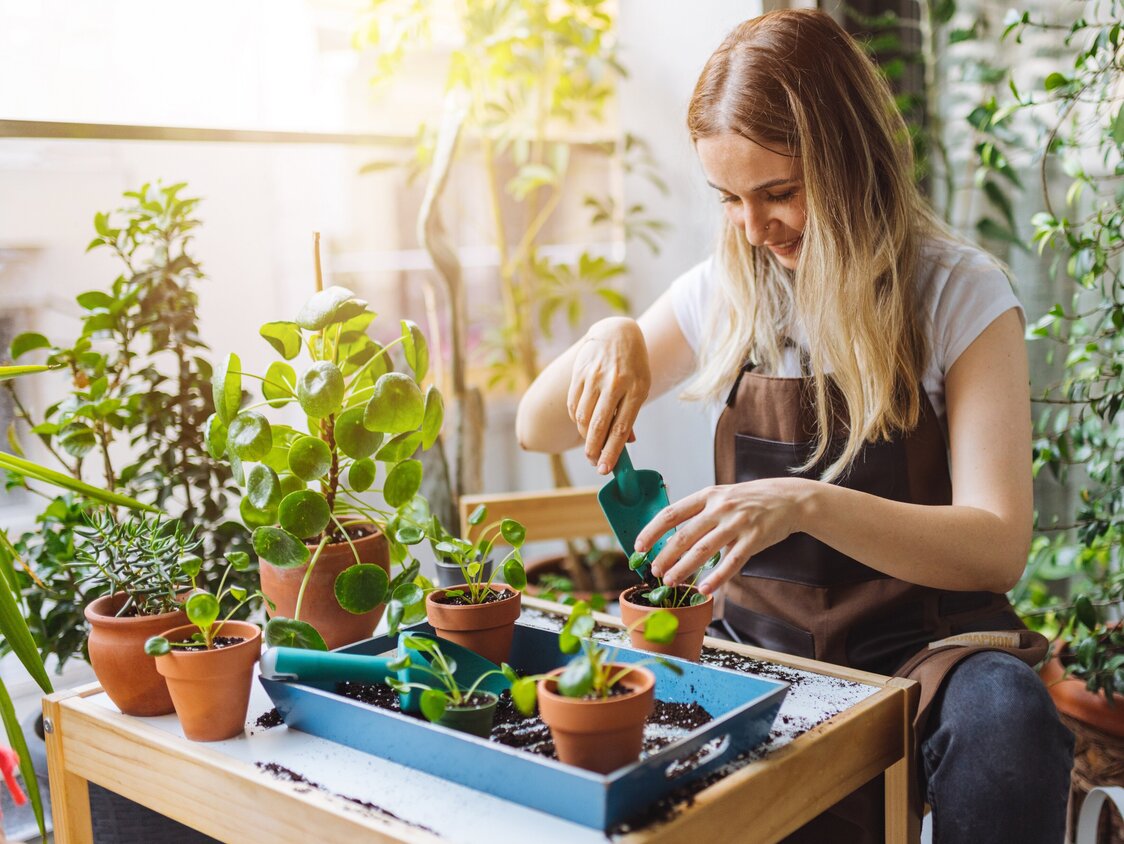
<point x="803" y="597"/>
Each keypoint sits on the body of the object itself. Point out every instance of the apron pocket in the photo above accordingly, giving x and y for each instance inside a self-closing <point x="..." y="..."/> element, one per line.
<point x="764" y="631"/>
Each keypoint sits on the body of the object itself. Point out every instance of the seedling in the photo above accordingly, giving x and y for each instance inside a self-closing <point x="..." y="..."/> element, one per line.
<point x="671" y="597"/>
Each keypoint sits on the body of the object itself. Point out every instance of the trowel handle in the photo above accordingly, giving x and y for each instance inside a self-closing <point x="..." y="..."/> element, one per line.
<point x="323" y="667"/>
<point x="627" y="483"/>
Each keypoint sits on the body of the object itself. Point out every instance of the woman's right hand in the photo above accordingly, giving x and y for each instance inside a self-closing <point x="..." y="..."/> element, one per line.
<point x="609" y="383"/>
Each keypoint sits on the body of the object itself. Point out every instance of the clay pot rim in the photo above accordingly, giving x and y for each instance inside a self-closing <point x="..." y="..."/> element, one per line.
<point x="624" y="599"/>
<point x="184" y="631"/>
<point x="512" y="592"/>
<point x="375" y="534"/>
<point x="93" y="615"/>
<point x="648" y="684"/>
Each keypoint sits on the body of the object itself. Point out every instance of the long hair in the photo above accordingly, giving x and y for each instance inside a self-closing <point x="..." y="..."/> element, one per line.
<point x="796" y="83"/>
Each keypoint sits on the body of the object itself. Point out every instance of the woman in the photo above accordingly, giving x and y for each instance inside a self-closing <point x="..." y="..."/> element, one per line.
<point x="868" y="381"/>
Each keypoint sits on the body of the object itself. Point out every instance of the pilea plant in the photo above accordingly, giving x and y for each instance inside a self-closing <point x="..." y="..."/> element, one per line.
<point x="203" y="608"/>
<point x="303" y="489"/>
<point x="661" y="595"/>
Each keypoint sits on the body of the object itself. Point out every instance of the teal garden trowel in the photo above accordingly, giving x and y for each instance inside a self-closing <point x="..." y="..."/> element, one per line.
<point x="630" y="500"/>
<point x="329" y="667"/>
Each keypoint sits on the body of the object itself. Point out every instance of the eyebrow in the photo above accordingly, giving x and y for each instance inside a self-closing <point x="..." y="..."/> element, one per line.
<point x="764" y="185"/>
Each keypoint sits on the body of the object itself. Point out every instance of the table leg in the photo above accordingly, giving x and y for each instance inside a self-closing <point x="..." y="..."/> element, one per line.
<point x="903" y="825"/>
<point x="70" y="793"/>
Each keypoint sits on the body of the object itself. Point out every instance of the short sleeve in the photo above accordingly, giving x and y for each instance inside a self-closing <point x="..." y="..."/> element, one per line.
<point x="691" y="296"/>
<point x="975" y="294"/>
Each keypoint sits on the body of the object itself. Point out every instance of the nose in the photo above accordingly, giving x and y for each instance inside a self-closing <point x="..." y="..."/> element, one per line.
<point x="755" y="222"/>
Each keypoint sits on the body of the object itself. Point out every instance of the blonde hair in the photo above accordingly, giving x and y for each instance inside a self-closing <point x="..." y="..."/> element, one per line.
<point x="795" y="82"/>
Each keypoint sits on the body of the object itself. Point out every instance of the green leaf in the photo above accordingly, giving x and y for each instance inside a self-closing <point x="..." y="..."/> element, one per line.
<point x="291" y="483"/>
<point x="252" y="517"/>
<point x="92" y="299"/>
<point x="395" y="406"/>
<point x="77" y="439"/>
<point x="214" y="436"/>
<point x="361" y="588"/>
<point x="657" y="596"/>
<point x="415" y="349"/>
<point x="19" y="745"/>
<point x="280" y="384"/>
<point x="989" y="228"/>
<point x="515" y="574"/>
<point x="1055" y="80"/>
<point x="310" y="458"/>
<point x="27" y="342"/>
<point x="1117" y="131"/>
<point x="478" y="515"/>
<point x="27" y="469"/>
<point x="249" y="436"/>
<point x="280" y="548"/>
<point x="329" y="306"/>
<point x="402" y="483"/>
<point x="352" y="436"/>
<point x="285" y="337"/>
<point x="13" y="627"/>
<point x="433" y="704"/>
<point x="433" y="417"/>
<point x="637" y="560"/>
<point x="408" y="594"/>
<point x="190" y="565"/>
<point x="409" y="534"/>
<point x="660" y="627"/>
<point x="202" y="610"/>
<point x="361" y="474"/>
<point x="263" y="487"/>
<point x="320" y="389"/>
<point x="1085" y="611"/>
<point x="524" y="694"/>
<point x="157" y="646"/>
<point x="576" y="680"/>
<point x="513" y="532"/>
<point x="7" y="373"/>
<point x="226" y="387"/>
<point x="290" y="633"/>
<point x="239" y="560"/>
<point x="304" y="513"/>
<point x="400" y="447"/>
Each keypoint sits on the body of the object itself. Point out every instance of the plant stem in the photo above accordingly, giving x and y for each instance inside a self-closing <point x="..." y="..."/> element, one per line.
<point x="308" y="577"/>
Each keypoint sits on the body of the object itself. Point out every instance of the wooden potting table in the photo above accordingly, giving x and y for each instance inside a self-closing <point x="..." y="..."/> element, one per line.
<point x="220" y="789"/>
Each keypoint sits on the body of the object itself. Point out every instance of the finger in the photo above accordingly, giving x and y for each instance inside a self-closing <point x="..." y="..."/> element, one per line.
<point x="680" y="542"/>
<point x="631" y="437"/>
<point x="584" y="412"/>
<point x="698" y="554"/>
<point x="733" y="558"/>
<point x="619" y="433"/>
<point x="599" y="426"/>
<point x="573" y="397"/>
<point x="669" y="517"/>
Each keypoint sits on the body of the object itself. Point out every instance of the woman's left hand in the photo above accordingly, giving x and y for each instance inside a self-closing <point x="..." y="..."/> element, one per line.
<point x="739" y="519"/>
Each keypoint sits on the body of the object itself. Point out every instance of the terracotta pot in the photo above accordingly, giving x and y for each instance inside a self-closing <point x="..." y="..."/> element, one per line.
<point x="693" y="622"/>
<point x="611" y="578"/>
<point x="599" y="735"/>
<point x="211" y="689"/>
<point x="485" y="628"/>
<point x="126" y="673"/>
<point x="320" y="607"/>
<point x="1073" y="699"/>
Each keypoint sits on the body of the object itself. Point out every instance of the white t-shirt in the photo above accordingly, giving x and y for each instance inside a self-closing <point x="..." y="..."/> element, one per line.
<point x="962" y="287"/>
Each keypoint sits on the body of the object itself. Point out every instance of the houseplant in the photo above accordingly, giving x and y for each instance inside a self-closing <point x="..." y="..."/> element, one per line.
<point x="325" y="552"/>
<point x="469" y="710"/>
<point x="478" y="613"/>
<point x="208" y="664"/>
<point x="596" y="707"/>
<point x="141" y="565"/>
<point x="691" y="607"/>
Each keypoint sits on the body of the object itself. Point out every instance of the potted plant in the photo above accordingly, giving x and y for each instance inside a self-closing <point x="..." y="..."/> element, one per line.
<point x="325" y="552"/>
<point x="142" y="564"/>
<point x="209" y="667"/>
<point x="691" y="607"/>
<point x="470" y="710"/>
<point x="478" y="613"/>
<point x="596" y="707"/>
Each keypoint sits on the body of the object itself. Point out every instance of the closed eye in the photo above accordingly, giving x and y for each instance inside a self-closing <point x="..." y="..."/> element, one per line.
<point x="729" y="197"/>
<point x="783" y="197"/>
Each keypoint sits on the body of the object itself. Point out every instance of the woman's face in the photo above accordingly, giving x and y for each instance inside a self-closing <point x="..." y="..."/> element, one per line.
<point x="761" y="191"/>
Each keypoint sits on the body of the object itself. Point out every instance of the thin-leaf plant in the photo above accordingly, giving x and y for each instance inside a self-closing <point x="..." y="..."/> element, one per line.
<point x="672" y="597"/>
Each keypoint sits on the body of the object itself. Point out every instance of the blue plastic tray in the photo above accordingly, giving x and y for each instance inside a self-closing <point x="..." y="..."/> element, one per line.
<point x="743" y="709"/>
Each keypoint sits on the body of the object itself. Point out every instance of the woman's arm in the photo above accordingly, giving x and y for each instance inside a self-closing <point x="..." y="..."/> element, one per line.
<point x="593" y="392"/>
<point x="980" y="541"/>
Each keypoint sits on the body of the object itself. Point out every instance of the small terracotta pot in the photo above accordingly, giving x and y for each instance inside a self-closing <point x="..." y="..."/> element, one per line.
<point x="126" y="673"/>
<point x="486" y="629"/>
<point x="211" y="689"/>
<point x="1073" y="699"/>
<point x="693" y="622"/>
<point x="599" y="735"/>
<point x="320" y="607"/>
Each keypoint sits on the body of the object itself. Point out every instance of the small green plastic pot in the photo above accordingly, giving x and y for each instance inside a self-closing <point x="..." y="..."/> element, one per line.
<point x="475" y="720"/>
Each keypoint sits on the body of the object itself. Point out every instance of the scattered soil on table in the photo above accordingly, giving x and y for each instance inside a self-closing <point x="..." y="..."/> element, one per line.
<point x="270" y="719"/>
<point x="217" y="643"/>
<point x="491" y="597"/>
<point x="307" y="785"/>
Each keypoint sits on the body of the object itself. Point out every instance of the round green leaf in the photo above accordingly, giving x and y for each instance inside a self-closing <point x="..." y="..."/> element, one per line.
<point x="513" y="532"/>
<point x="409" y="534"/>
<point x="252" y="517"/>
<point x="433" y="704"/>
<point x="226" y="387"/>
<point x="408" y="593"/>
<point x="329" y="306"/>
<point x="190" y="564"/>
<point x="92" y="299"/>
<point x="249" y="436"/>
<point x="514" y="574"/>
<point x="27" y="342"/>
<point x="77" y="439"/>
<point x="310" y="458"/>
<point x="352" y="437"/>
<point x="361" y="588"/>
<point x="394" y="614"/>
<point x="304" y="513"/>
<point x="290" y="633"/>
<point x="361" y="475"/>
<point x="320" y="389"/>
<point x="660" y="627"/>
<point x="400" y="447"/>
<point x="395" y="406"/>
<point x="157" y="646"/>
<point x="263" y="487"/>
<point x="577" y="678"/>
<point x="285" y="337"/>
<point x="415" y="348"/>
<point x="202" y="609"/>
<point x="280" y="384"/>
<point x="214" y="436"/>
<point x="433" y="417"/>
<point x="402" y="483"/>
<point x="280" y="547"/>
<point x="291" y="483"/>
<point x="478" y="514"/>
<point x="239" y="561"/>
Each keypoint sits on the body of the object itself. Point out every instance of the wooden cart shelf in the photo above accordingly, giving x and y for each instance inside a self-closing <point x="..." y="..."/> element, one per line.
<point x="220" y="789"/>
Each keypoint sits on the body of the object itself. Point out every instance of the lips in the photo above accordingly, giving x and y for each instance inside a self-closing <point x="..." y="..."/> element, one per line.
<point x="786" y="248"/>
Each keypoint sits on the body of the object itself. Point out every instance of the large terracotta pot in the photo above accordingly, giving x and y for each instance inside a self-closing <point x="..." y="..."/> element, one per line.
<point x="211" y="689"/>
<point x="1073" y="699"/>
<point x="486" y="629"/>
<point x="599" y="735"/>
<point x="693" y="622"/>
<point x="320" y="607"/>
<point x="126" y="673"/>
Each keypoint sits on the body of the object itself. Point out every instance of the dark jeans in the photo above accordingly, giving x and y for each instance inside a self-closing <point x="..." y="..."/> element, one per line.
<point x="995" y="764"/>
